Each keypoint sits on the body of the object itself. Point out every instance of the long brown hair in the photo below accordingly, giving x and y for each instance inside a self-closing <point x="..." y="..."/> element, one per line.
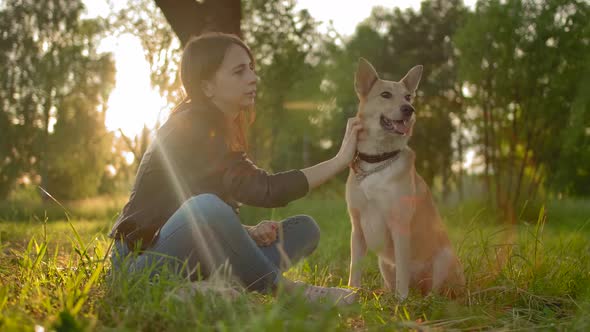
<point x="201" y="58"/>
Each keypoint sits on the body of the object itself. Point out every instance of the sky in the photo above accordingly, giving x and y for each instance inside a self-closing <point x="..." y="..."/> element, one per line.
<point x="134" y="103"/>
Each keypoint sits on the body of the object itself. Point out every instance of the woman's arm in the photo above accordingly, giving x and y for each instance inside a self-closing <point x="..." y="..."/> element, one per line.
<point x="323" y="171"/>
<point x="320" y="173"/>
<point x="247" y="183"/>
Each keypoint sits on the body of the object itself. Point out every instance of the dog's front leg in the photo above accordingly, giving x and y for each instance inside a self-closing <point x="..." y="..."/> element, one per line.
<point x="401" y="218"/>
<point x="358" y="249"/>
<point x="401" y="242"/>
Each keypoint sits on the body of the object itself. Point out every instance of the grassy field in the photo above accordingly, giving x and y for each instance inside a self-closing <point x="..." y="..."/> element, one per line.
<point x="535" y="275"/>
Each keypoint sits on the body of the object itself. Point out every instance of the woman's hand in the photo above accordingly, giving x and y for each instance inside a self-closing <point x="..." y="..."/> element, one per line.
<point x="265" y="233"/>
<point x="348" y="147"/>
<point x="323" y="171"/>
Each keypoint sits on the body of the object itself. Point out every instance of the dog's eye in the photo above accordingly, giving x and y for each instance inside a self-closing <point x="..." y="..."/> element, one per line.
<point x="408" y="97"/>
<point x="386" y="94"/>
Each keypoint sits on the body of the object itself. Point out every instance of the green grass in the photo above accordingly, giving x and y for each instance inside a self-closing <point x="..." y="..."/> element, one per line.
<point x="532" y="276"/>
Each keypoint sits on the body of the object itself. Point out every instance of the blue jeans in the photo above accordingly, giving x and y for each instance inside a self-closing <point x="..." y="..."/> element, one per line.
<point x="205" y="233"/>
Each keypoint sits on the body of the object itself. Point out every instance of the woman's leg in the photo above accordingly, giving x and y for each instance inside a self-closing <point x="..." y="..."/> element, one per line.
<point x="298" y="237"/>
<point x="119" y="254"/>
<point x="206" y="233"/>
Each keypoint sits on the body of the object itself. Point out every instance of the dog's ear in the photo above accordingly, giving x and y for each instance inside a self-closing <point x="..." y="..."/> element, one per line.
<point x="412" y="78"/>
<point x="365" y="77"/>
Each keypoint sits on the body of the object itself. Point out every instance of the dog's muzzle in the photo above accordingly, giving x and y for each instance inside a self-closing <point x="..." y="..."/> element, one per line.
<point x="399" y="127"/>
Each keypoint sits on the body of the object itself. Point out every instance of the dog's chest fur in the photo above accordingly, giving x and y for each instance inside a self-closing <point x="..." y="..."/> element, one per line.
<point x="375" y="197"/>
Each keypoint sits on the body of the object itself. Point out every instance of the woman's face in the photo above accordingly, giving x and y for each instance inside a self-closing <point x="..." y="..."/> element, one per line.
<point x="233" y="86"/>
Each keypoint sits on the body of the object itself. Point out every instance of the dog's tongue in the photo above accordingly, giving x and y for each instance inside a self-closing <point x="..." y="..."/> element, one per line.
<point x="401" y="127"/>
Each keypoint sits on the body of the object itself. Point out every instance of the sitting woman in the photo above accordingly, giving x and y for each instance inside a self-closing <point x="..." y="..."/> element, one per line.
<point x="182" y="211"/>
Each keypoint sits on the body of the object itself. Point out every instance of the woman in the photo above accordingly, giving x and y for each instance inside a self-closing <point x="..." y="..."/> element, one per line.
<point x="182" y="211"/>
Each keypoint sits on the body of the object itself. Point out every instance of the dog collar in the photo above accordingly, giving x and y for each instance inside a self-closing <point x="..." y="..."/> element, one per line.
<point x="360" y="173"/>
<point x="377" y="158"/>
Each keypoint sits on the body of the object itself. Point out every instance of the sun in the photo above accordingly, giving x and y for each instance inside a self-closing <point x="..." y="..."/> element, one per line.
<point x="133" y="103"/>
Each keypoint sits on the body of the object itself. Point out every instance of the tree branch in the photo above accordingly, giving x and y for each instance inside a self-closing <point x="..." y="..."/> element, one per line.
<point x="190" y="18"/>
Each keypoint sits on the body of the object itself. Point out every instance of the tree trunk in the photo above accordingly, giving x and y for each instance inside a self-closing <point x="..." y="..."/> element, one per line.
<point x="536" y="183"/>
<point x="534" y="180"/>
<point x="460" y="158"/>
<point x="43" y="163"/>
<point x="190" y="17"/>
<point x="306" y="153"/>
<point x="521" y="171"/>
<point x="486" y="149"/>
<point x="512" y="155"/>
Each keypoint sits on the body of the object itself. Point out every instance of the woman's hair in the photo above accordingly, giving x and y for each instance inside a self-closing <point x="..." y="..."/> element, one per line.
<point x="201" y="58"/>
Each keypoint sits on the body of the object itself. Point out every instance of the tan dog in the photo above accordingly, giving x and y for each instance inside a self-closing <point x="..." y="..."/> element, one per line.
<point x="390" y="206"/>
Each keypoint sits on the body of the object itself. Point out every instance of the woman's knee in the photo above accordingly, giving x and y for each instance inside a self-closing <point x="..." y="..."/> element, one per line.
<point x="206" y="205"/>
<point x="204" y="201"/>
<point x="209" y="209"/>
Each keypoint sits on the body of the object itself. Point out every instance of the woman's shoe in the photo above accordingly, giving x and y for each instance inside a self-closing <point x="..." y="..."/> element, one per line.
<point x="336" y="295"/>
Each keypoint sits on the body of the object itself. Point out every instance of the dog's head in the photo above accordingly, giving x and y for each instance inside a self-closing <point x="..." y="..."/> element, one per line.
<point x="385" y="108"/>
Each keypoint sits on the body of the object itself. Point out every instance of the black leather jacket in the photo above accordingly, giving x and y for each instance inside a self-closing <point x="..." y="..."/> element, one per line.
<point x="186" y="158"/>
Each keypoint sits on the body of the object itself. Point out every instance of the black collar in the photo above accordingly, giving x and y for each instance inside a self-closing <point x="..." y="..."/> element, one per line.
<point x="377" y="158"/>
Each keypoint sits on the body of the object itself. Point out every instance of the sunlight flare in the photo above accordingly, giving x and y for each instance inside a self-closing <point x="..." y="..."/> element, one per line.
<point x="133" y="103"/>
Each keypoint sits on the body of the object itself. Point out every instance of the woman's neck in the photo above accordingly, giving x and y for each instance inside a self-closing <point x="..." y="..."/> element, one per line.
<point x="228" y="112"/>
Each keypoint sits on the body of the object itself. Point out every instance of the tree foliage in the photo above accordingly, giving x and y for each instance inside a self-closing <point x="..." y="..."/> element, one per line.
<point x="288" y="54"/>
<point x="528" y="62"/>
<point x="53" y="77"/>
<point x="507" y="81"/>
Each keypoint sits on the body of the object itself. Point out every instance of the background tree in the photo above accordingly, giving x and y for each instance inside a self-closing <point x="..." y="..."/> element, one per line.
<point x="288" y="54"/>
<point x="120" y="169"/>
<point x="48" y="57"/>
<point x="162" y="49"/>
<point x="568" y="160"/>
<point x="526" y="60"/>
<point x="190" y="18"/>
